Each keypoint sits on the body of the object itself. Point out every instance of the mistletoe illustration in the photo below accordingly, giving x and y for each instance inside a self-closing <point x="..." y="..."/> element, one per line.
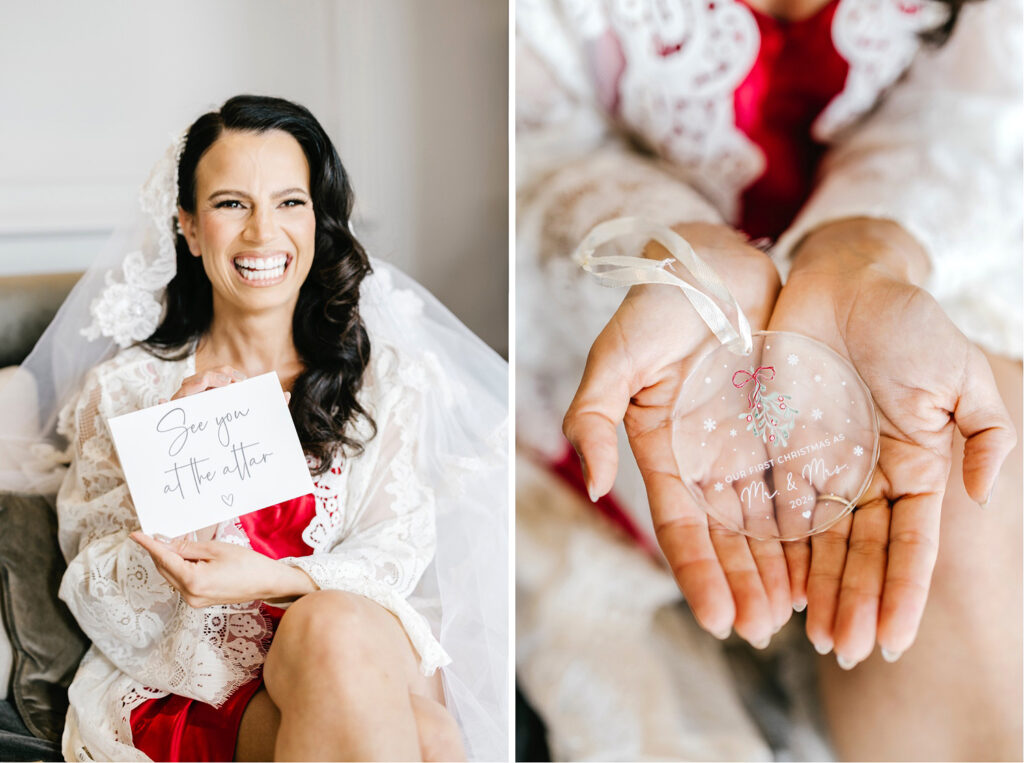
<point x="769" y="415"/>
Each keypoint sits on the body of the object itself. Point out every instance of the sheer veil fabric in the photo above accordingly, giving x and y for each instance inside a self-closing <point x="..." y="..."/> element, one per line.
<point x="462" y="435"/>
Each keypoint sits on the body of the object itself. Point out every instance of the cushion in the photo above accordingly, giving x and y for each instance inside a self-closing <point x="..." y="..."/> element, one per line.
<point x="46" y="642"/>
<point x="17" y="744"/>
<point x="30" y="302"/>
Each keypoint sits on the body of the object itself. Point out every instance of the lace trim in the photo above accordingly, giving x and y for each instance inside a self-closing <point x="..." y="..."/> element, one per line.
<point x="879" y="39"/>
<point x="130" y="306"/>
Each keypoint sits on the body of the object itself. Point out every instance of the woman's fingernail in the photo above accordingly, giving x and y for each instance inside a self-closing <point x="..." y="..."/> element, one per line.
<point x="722" y="635"/>
<point x="890" y="656"/>
<point x="844" y="663"/>
<point x="761" y="643"/>
<point x="800" y="606"/>
<point x="984" y="504"/>
<point x="162" y="538"/>
<point x="822" y="648"/>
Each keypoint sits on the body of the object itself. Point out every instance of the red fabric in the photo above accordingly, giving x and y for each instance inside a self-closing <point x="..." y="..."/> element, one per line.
<point x="797" y="72"/>
<point x="174" y="728"/>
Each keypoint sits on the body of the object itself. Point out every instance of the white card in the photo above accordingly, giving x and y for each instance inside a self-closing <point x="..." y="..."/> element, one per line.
<point x="209" y="457"/>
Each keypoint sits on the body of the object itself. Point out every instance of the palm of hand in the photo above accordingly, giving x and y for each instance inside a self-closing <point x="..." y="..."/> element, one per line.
<point x="634" y="372"/>
<point x="869" y="574"/>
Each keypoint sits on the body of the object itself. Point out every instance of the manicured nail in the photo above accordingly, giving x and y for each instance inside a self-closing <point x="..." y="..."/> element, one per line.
<point x="162" y="538"/>
<point x="722" y="635"/>
<point x="800" y="606"/>
<point x="762" y="643"/>
<point x="822" y="648"/>
<point x="984" y="504"/>
<point x="844" y="663"/>
<point x="890" y="656"/>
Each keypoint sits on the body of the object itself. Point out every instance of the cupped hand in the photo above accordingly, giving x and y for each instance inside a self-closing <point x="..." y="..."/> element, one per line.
<point x="852" y="287"/>
<point x="633" y="373"/>
<point x="214" y="572"/>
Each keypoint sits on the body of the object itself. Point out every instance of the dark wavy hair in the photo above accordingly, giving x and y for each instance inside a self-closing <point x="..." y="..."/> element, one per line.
<point x="328" y="332"/>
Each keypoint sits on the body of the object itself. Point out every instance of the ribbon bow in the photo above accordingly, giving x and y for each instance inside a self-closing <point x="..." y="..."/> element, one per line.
<point x="760" y="375"/>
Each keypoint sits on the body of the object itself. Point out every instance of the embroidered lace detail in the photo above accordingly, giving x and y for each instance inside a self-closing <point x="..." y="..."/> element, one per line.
<point x="879" y="39"/>
<point x="683" y="62"/>
<point x="129" y="308"/>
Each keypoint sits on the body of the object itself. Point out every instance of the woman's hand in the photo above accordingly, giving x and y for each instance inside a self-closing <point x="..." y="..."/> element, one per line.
<point x="213" y="572"/>
<point x="852" y="287"/>
<point x="633" y="373"/>
<point x="211" y="378"/>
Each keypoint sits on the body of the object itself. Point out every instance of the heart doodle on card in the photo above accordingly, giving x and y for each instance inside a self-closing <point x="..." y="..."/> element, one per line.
<point x="228" y="500"/>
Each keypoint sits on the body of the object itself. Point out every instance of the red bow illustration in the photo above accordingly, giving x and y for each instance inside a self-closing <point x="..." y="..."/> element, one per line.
<point x="761" y="375"/>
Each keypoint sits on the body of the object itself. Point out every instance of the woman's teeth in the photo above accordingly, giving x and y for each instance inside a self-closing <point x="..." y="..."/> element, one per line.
<point x="261" y="268"/>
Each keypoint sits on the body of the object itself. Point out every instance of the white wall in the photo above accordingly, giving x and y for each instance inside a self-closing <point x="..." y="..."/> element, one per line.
<point x="413" y="92"/>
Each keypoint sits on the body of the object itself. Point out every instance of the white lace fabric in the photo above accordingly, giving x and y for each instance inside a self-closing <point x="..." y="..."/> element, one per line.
<point x="373" y="534"/>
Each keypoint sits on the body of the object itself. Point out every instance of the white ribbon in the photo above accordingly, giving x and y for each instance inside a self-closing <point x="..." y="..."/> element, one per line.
<point x="620" y="270"/>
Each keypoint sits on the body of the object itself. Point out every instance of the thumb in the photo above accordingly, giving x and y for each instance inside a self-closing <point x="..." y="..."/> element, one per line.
<point x="983" y="420"/>
<point x="595" y="412"/>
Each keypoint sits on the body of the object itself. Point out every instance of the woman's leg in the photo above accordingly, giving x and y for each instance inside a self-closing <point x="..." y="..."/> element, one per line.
<point x="342" y="683"/>
<point x="956" y="693"/>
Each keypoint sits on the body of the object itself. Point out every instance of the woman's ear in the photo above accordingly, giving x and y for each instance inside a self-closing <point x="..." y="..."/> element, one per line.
<point x="187" y="225"/>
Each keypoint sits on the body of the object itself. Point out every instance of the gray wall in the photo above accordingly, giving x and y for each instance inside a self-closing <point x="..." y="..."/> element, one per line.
<point x="413" y="92"/>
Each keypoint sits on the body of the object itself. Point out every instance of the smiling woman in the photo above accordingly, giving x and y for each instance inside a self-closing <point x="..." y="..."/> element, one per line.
<point x="340" y="624"/>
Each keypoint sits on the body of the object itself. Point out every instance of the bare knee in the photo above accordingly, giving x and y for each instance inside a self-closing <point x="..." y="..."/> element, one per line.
<point x="327" y="634"/>
<point x="439" y="735"/>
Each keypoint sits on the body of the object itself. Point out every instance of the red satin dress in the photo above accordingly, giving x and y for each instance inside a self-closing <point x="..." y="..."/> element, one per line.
<point x="797" y="73"/>
<point x="174" y="728"/>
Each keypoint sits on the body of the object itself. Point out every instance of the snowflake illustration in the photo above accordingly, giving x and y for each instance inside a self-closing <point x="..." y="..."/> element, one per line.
<point x="732" y="432"/>
<point x="858" y="451"/>
<point x="816" y="414"/>
<point x="792" y="359"/>
<point x="719" y="487"/>
<point x="710" y="424"/>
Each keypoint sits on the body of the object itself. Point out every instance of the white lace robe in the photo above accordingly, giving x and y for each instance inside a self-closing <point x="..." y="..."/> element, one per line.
<point x="372" y="534"/>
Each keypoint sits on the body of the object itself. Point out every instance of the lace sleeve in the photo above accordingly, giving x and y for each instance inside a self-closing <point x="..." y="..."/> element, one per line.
<point x="376" y="535"/>
<point x="941" y="156"/>
<point x="131" y="614"/>
<point x="574" y="170"/>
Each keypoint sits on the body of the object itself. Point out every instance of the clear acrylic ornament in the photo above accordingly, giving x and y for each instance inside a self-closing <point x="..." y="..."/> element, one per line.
<point x="774" y="434"/>
<point x="778" y="443"/>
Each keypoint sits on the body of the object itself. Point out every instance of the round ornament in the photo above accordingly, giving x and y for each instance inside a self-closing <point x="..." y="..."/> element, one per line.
<point x="776" y="443"/>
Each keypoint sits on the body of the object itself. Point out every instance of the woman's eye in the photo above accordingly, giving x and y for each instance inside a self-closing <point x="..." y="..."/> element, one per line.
<point x="229" y="204"/>
<point x="294" y="203"/>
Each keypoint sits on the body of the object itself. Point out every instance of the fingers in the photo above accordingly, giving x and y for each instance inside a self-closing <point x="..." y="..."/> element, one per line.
<point x="771" y="566"/>
<point x="175" y="560"/>
<point x="220" y="376"/>
<point x="985" y="423"/>
<point x="828" y="559"/>
<point x="913" y="548"/>
<point x="168" y="563"/>
<point x="682" y="532"/>
<point x="753" y="620"/>
<point x="596" y="410"/>
<point x="864" y="576"/>
<point x="798" y="563"/>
